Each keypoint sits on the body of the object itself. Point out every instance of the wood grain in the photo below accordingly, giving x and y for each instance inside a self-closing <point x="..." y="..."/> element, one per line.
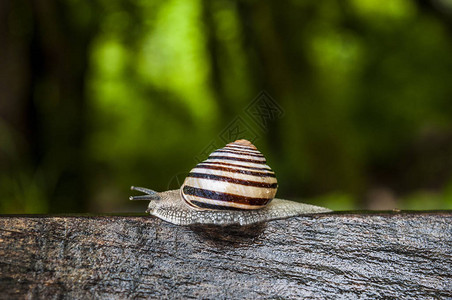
<point x="349" y="256"/>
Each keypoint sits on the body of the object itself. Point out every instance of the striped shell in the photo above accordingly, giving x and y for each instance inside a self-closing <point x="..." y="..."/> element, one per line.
<point x="233" y="177"/>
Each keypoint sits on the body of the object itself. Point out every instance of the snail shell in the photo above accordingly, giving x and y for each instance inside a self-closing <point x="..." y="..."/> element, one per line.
<point x="234" y="185"/>
<point x="233" y="177"/>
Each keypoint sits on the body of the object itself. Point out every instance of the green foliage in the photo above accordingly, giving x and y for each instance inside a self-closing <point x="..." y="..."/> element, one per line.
<point x="364" y="87"/>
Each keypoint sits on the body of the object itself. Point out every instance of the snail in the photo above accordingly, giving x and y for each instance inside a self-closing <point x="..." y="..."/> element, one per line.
<point x="234" y="185"/>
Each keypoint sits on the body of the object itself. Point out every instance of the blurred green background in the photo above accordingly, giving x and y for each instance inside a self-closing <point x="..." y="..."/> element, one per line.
<point x="350" y="101"/>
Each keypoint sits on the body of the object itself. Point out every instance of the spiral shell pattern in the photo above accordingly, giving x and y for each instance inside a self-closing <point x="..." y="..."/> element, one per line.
<point x="233" y="177"/>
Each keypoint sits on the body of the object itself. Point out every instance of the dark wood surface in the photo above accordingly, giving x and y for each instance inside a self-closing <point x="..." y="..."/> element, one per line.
<point x="339" y="255"/>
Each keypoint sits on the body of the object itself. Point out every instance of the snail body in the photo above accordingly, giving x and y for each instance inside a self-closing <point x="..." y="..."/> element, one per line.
<point x="234" y="185"/>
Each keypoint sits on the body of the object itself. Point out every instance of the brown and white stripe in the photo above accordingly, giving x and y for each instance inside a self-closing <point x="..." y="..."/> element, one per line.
<point x="233" y="177"/>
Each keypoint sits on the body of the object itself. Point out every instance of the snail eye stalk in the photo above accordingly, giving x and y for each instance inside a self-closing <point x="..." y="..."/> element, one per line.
<point x="151" y="195"/>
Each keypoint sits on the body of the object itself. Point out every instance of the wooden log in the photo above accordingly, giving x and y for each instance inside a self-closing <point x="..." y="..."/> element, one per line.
<point x="338" y="255"/>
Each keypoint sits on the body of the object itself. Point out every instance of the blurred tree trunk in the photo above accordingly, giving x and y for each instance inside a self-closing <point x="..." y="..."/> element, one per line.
<point x="281" y="64"/>
<point x="215" y="51"/>
<point x="14" y="80"/>
<point x="44" y="93"/>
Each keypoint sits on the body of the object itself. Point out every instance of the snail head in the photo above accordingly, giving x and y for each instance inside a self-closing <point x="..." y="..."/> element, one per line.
<point x="150" y="195"/>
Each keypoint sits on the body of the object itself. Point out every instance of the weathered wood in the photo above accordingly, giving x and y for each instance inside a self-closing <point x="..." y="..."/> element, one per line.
<point x="349" y="256"/>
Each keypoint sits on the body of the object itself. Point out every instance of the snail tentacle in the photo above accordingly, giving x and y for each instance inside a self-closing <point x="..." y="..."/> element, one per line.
<point x="151" y="194"/>
<point x="144" y="190"/>
<point x="144" y="197"/>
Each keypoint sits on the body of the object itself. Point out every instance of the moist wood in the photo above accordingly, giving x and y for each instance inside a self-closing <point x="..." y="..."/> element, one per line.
<point x="400" y="255"/>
